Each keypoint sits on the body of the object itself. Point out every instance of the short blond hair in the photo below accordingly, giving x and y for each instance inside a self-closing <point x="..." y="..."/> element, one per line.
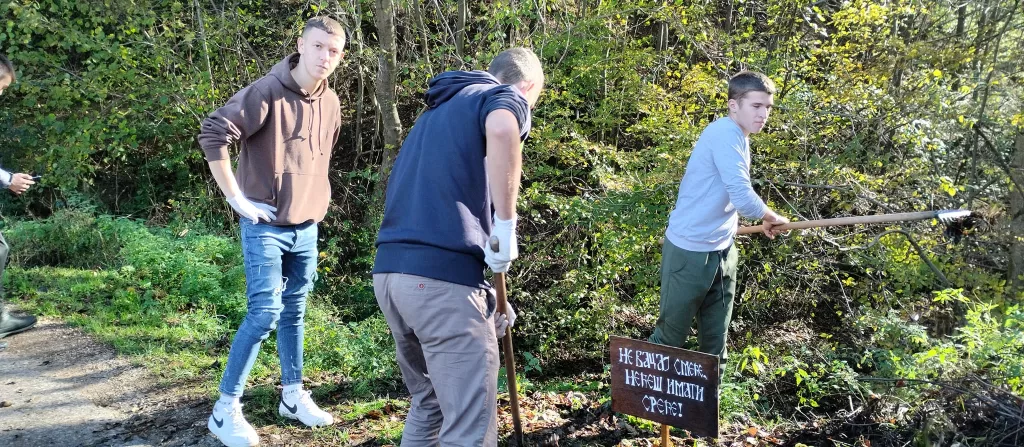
<point x="325" y="24"/>
<point x="516" y="64"/>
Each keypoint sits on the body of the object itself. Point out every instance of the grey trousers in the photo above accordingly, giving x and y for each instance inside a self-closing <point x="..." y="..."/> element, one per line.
<point x="448" y="355"/>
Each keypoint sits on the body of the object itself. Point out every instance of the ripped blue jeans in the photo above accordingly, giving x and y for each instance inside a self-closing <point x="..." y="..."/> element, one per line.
<point x="280" y="268"/>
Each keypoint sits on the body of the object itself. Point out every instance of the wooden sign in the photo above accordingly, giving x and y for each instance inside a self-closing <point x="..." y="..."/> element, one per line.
<point x="668" y="385"/>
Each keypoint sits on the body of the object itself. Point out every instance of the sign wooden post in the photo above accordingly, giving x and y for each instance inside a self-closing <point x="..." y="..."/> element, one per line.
<point x="672" y="386"/>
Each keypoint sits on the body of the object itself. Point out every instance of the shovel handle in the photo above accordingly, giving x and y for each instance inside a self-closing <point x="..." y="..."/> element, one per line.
<point x="506" y="346"/>
<point x="857" y="220"/>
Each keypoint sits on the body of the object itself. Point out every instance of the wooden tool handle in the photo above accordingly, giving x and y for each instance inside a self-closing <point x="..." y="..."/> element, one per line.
<point x="880" y="218"/>
<point x="506" y="346"/>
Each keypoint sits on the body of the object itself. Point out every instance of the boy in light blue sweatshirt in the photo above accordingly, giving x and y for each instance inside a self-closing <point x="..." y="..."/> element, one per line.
<point x="698" y="262"/>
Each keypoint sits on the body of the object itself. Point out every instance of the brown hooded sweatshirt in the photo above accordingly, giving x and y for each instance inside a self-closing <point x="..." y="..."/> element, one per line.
<point x="286" y="136"/>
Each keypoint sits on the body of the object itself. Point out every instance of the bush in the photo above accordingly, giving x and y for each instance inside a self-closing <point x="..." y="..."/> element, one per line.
<point x="70" y="238"/>
<point x="176" y="299"/>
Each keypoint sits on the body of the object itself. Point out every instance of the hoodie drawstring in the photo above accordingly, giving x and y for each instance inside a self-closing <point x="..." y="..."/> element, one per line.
<point x="320" y="124"/>
<point x="310" y="131"/>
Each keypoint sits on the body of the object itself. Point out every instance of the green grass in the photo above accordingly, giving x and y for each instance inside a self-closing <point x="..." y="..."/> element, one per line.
<point x="173" y="301"/>
<point x="174" y="345"/>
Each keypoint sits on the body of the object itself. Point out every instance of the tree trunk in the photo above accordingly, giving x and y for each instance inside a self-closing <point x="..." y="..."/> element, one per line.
<point x="961" y="26"/>
<point x="417" y="11"/>
<point x="1016" y="269"/>
<point x="357" y="36"/>
<point x="978" y="45"/>
<point x="384" y="18"/>
<point x="961" y="19"/>
<point x="729" y="18"/>
<point x="408" y="50"/>
<point x="460" y="30"/>
<point x="661" y="36"/>
<point x="202" y="37"/>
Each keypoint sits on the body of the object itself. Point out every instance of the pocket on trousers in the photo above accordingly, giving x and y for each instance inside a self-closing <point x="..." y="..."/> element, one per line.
<point x="492" y="302"/>
<point x="254" y="250"/>
<point x="424" y="290"/>
<point x="674" y="259"/>
<point x="482" y="301"/>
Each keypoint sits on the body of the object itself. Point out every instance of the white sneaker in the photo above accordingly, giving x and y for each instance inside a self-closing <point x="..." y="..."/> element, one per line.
<point x="299" y="406"/>
<point x="230" y="427"/>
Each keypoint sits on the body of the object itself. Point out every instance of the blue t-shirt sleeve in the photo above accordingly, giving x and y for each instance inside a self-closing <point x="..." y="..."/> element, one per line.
<point x="506" y="97"/>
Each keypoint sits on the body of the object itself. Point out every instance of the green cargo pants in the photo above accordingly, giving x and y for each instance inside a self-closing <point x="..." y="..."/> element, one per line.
<point x="701" y="285"/>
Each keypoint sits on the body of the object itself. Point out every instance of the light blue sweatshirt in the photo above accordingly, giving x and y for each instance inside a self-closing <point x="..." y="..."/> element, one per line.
<point x="5" y="178"/>
<point x="715" y="187"/>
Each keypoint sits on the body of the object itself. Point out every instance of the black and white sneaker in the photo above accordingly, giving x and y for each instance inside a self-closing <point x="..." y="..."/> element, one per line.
<point x="230" y="427"/>
<point x="299" y="406"/>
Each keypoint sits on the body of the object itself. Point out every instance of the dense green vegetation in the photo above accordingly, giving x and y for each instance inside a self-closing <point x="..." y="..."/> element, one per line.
<point x="884" y="106"/>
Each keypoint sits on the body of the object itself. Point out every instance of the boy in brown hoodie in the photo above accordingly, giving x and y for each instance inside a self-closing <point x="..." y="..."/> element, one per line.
<point x="286" y="124"/>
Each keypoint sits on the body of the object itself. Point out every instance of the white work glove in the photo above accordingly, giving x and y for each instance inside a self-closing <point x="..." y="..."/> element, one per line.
<point x="269" y="210"/>
<point x="503" y="321"/>
<point x="508" y="248"/>
<point x="252" y="211"/>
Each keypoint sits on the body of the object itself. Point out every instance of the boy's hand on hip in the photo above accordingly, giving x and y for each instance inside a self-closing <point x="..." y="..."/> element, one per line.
<point x="252" y="211"/>
<point x="270" y="211"/>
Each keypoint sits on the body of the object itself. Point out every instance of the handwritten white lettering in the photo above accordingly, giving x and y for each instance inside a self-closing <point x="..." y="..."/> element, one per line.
<point x="641" y="379"/>
<point x="651" y="360"/>
<point x="688" y="369"/>
<point x="685" y="390"/>
<point x="661" y="406"/>
<point x="624" y="356"/>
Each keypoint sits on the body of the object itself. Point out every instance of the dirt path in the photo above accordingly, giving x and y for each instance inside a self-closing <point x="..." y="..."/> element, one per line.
<point x="59" y="387"/>
<point x="66" y="389"/>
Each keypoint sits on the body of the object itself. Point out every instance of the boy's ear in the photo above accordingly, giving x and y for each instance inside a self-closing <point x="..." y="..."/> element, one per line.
<point x="530" y="84"/>
<point x="524" y="86"/>
<point x="733" y="105"/>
